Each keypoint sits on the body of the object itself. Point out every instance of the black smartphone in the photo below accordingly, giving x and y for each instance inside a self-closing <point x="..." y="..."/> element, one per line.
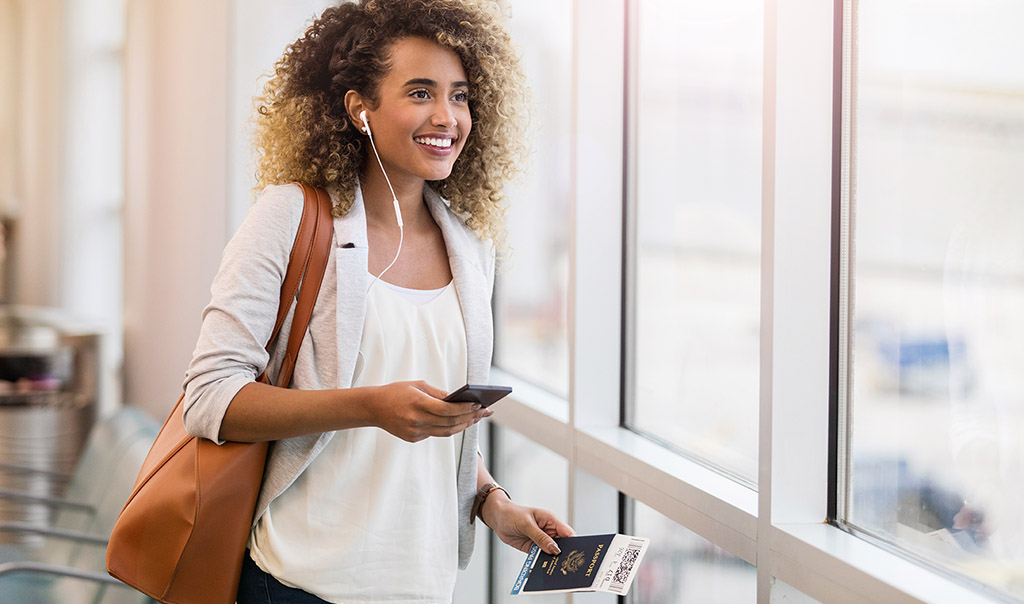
<point x="485" y="395"/>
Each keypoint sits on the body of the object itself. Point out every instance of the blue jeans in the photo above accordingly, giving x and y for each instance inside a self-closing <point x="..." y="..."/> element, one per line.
<point x="258" y="587"/>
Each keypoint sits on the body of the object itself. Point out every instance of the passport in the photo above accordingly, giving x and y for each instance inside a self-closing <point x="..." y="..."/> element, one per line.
<point x="586" y="563"/>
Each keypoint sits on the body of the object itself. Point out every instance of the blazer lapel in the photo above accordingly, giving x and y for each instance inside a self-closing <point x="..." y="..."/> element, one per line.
<point x="470" y="279"/>
<point x="471" y="286"/>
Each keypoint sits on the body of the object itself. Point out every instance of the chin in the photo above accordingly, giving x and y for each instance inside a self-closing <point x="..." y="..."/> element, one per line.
<point x="439" y="174"/>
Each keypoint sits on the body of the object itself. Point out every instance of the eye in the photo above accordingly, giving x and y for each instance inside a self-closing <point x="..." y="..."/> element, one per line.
<point x="420" y="93"/>
<point x="461" y="96"/>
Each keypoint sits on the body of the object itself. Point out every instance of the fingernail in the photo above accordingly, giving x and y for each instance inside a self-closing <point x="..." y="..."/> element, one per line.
<point x="555" y="547"/>
<point x="476" y="406"/>
<point x="488" y="413"/>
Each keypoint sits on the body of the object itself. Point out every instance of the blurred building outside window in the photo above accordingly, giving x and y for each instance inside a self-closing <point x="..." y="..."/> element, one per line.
<point x="937" y="398"/>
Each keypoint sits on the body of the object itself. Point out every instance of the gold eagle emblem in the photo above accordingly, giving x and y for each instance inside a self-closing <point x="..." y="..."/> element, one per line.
<point x="573" y="562"/>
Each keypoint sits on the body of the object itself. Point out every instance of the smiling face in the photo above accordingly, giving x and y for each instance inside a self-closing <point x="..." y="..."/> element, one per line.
<point x="421" y="119"/>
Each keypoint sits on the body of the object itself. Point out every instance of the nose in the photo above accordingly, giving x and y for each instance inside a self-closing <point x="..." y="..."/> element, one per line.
<point x="444" y="115"/>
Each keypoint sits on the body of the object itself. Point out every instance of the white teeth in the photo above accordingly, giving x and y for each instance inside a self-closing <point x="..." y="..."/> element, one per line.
<point x="443" y="143"/>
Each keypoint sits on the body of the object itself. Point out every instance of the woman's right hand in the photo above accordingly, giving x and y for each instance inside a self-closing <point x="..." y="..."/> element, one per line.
<point x="414" y="411"/>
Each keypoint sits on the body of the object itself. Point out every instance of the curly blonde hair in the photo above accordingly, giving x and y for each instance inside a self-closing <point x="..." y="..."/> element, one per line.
<point x="303" y="133"/>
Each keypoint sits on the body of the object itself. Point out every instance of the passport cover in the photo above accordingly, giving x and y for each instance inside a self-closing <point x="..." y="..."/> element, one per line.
<point x="583" y="565"/>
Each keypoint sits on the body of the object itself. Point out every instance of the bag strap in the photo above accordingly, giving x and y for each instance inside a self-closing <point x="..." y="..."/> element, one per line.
<point x="306" y="266"/>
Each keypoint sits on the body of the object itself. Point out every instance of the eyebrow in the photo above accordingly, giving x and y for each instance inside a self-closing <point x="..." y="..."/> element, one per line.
<point x="433" y="84"/>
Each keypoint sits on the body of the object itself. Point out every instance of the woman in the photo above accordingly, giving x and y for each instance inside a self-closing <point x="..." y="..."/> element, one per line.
<point x="372" y="481"/>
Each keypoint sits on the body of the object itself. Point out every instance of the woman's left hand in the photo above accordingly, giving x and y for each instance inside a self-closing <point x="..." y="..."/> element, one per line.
<point x="521" y="527"/>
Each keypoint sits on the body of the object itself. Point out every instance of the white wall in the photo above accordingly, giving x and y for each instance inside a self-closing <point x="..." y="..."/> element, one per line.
<point x="260" y="31"/>
<point x="9" y="41"/>
<point x="177" y="82"/>
<point x="37" y="186"/>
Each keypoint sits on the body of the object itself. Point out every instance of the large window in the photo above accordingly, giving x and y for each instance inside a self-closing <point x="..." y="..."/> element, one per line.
<point x="532" y="287"/>
<point x="697" y="158"/>
<point x="703" y="142"/>
<point x="937" y="286"/>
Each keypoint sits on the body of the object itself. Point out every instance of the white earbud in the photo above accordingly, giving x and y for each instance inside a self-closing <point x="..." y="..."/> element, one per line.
<point x="366" y="124"/>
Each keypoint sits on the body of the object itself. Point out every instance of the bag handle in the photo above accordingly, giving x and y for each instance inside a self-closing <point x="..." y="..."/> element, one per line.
<point x="306" y="266"/>
<point x="312" y="279"/>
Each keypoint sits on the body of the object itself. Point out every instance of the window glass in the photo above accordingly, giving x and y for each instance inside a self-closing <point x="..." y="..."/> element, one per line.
<point x="531" y="338"/>
<point x="536" y="477"/>
<point x="698" y="220"/>
<point x="682" y="566"/>
<point x="937" y="399"/>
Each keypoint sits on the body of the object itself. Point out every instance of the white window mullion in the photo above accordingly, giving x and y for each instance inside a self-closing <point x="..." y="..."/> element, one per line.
<point x="595" y="303"/>
<point x="595" y="273"/>
<point x="797" y="262"/>
<point x="767" y="325"/>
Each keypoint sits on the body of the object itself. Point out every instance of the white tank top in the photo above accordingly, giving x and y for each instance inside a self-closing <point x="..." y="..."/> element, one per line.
<point x="375" y="518"/>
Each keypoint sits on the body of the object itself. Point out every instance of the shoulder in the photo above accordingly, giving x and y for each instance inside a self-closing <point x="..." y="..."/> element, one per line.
<point x="482" y="251"/>
<point x="276" y="213"/>
<point x="270" y="226"/>
<point x="278" y="202"/>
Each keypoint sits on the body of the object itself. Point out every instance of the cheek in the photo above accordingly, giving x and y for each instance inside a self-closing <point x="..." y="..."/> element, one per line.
<point x="398" y="125"/>
<point x="465" y="119"/>
<point x="465" y="124"/>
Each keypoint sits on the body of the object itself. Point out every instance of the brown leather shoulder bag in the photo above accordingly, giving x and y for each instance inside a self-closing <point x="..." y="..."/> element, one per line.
<point x="181" y="536"/>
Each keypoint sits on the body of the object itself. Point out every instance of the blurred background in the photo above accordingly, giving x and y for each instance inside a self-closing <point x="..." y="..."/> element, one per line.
<point x="125" y="167"/>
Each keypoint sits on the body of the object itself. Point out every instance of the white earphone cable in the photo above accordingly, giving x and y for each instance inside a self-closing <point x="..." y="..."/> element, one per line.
<point x="394" y="199"/>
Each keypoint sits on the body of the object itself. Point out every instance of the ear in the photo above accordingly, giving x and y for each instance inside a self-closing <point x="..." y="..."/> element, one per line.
<point x="354" y="104"/>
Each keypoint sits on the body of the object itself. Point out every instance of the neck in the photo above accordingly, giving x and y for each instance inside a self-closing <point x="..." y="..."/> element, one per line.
<point x="377" y="196"/>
